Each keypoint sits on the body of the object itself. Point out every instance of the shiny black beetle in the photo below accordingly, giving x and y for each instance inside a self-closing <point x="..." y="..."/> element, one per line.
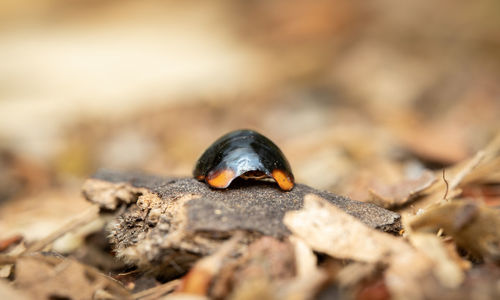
<point x="244" y="153"/>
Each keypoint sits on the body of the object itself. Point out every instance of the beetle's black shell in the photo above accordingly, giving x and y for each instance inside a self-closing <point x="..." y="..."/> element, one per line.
<point x="242" y="151"/>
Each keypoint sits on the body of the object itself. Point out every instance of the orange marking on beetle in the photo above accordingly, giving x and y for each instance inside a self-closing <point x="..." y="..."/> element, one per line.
<point x="221" y="179"/>
<point x="283" y="180"/>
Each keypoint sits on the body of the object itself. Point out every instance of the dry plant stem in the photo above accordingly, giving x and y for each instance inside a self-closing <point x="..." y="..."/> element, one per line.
<point x="447" y="185"/>
<point x="86" y="217"/>
<point x="114" y="285"/>
<point x="157" y="291"/>
<point x="7" y="260"/>
<point x="474" y="162"/>
<point x="462" y="174"/>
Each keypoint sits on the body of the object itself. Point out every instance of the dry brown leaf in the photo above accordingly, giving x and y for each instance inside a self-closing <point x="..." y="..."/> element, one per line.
<point x="309" y="277"/>
<point x="46" y="277"/>
<point x="326" y="228"/>
<point x="255" y="288"/>
<point x="8" y="292"/>
<point x="354" y="273"/>
<point x="446" y="270"/>
<point x="408" y="272"/>
<point x="198" y="280"/>
<point x="305" y="260"/>
<point x="265" y="270"/>
<point x="157" y="291"/>
<point x="401" y="193"/>
<point x="474" y="227"/>
<point x="488" y="170"/>
<point x="12" y="240"/>
<point x="482" y="167"/>
<point x="375" y="290"/>
<point x="436" y="142"/>
<point x="487" y="194"/>
<point x="77" y="222"/>
<point x="181" y="296"/>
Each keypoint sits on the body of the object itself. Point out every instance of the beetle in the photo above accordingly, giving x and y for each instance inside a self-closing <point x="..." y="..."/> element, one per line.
<point x="243" y="153"/>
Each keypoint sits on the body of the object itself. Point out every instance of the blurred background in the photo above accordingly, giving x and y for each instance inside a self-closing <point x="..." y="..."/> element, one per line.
<point x="355" y="93"/>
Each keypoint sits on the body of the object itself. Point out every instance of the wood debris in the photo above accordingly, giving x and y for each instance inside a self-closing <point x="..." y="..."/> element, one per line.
<point x="49" y="277"/>
<point x="175" y="215"/>
<point x="473" y="226"/>
<point x="367" y="102"/>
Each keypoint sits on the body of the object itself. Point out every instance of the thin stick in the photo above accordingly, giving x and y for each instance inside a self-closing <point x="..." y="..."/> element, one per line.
<point x="157" y="291"/>
<point x="467" y="169"/>
<point x="7" y="260"/>
<point x="447" y="186"/>
<point x="86" y="217"/>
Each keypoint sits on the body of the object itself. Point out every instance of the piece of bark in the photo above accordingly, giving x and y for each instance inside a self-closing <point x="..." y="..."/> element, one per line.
<point x="159" y="217"/>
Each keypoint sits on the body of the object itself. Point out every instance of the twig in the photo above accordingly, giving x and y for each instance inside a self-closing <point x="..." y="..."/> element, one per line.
<point x="84" y="218"/>
<point x="7" y="259"/>
<point x="466" y="170"/>
<point x="447" y="186"/>
<point x="157" y="291"/>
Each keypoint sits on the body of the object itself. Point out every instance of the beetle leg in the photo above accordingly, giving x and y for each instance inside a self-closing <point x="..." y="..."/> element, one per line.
<point x="220" y="179"/>
<point x="283" y="180"/>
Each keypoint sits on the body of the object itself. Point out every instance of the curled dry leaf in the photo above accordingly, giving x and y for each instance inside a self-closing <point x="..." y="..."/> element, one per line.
<point x="488" y="169"/>
<point x="395" y="195"/>
<point x="475" y="227"/>
<point x="447" y="271"/>
<point x="483" y="167"/>
<point x="328" y="229"/>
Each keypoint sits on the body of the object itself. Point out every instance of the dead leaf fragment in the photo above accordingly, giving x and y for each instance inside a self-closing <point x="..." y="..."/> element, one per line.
<point x="474" y="226"/>
<point x="376" y="290"/>
<point x="309" y="277"/>
<point x="8" y="292"/>
<point x="12" y="240"/>
<point x="446" y="270"/>
<point x="483" y="167"/>
<point x="326" y="228"/>
<point x="261" y="273"/>
<point x="402" y="192"/>
<point x="46" y="277"/>
<point x="198" y="280"/>
<point x="157" y="291"/>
